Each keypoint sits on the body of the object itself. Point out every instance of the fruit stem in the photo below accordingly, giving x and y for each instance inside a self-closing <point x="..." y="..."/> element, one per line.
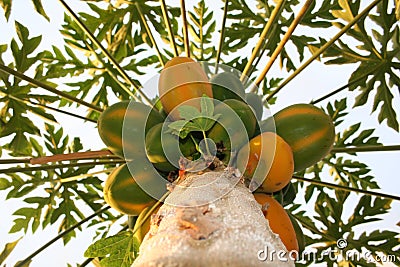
<point x="222" y="35"/>
<point x="48" y="88"/>
<point x="60" y="235"/>
<point x="323" y="48"/>
<point x="168" y="24"/>
<point x="284" y="40"/>
<point x="267" y="28"/>
<point x="206" y="143"/>
<point x="185" y="29"/>
<point x="195" y="143"/>
<point x="121" y="71"/>
<point x="149" y="33"/>
<point x="378" y="148"/>
<point x="346" y="188"/>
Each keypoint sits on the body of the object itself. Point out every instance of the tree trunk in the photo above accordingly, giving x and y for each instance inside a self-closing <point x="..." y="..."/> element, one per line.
<point x="211" y="219"/>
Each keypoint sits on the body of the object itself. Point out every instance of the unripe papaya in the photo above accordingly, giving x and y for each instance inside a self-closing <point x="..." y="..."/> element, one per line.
<point x="227" y="85"/>
<point x="255" y="102"/>
<point x="234" y="127"/>
<point x="123" y="193"/>
<point x="165" y="149"/>
<point x="131" y="119"/>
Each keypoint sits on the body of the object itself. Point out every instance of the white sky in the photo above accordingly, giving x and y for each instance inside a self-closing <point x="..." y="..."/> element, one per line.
<point x="315" y="81"/>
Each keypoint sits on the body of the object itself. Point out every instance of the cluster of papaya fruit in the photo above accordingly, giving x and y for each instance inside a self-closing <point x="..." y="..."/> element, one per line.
<point x="266" y="152"/>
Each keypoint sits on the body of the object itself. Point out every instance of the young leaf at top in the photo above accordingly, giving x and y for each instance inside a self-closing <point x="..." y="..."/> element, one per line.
<point x="194" y="120"/>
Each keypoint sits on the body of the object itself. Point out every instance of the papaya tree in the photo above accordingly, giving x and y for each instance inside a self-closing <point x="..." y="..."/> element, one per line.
<point x="201" y="132"/>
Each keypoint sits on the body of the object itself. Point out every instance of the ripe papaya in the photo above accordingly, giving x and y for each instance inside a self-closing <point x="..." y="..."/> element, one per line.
<point x="234" y="127"/>
<point x="227" y="85"/>
<point x="267" y="161"/>
<point x="124" y="194"/>
<point x="255" y="102"/>
<point x="131" y="119"/>
<point x="308" y="130"/>
<point x="279" y="221"/>
<point x="182" y="82"/>
<point x="165" y="149"/>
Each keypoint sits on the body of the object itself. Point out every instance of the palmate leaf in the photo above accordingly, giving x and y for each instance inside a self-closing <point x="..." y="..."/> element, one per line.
<point x="332" y="226"/>
<point x="202" y="26"/>
<point x="194" y="120"/>
<point x="14" y="93"/>
<point x="352" y="173"/>
<point x="320" y="16"/>
<point x="378" y="57"/>
<point x="337" y="111"/>
<point x="360" y="139"/>
<point x="58" y="202"/>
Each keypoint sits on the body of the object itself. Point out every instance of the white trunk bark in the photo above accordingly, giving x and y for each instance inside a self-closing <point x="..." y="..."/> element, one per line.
<point x="224" y="226"/>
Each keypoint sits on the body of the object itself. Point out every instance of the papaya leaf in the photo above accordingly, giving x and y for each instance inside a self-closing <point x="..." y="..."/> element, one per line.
<point x="193" y="119"/>
<point x="201" y="27"/>
<point x="353" y="137"/>
<point x="188" y="112"/>
<point x="352" y="173"/>
<point x="333" y="226"/>
<point x="6" y="5"/>
<point x="337" y="111"/>
<point x="118" y="250"/>
<point x="376" y="73"/>
<point x="39" y="8"/>
<point x="8" y="248"/>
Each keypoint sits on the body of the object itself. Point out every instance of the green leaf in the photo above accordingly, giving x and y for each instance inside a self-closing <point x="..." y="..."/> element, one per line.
<point x="6" y="5"/>
<point x="207" y="106"/>
<point x="39" y="8"/>
<point x="4" y="183"/>
<point x="118" y="250"/>
<point x="188" y="112"/>
<point x="9" y="247"/>
<point x="378" y="63"/>
<point x="180" y="128"/>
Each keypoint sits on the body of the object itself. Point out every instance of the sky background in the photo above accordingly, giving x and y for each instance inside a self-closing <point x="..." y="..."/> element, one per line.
<point x="315" y="81"/>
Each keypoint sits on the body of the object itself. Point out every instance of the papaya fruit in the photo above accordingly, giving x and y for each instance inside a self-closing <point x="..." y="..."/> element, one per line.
<point x="279" y="221"/>
<point x="308" y="130"/>
<point x="131" y="119"/>
<point x="227" y="85"/>
<point x="267" y="162"/>
<point x="165" y="149"/>
<point x="182" y="82"/>
<point x="255" y="102"/>
<point x="234" y="127"/>
<point x="124" y="194"/>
